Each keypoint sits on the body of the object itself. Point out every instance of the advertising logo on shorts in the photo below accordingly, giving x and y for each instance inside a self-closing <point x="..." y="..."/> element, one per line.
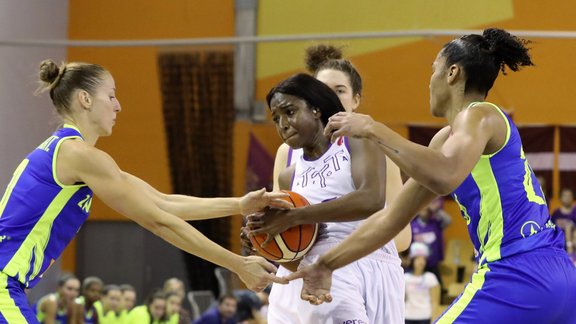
<point x="529" y="228"/>
<point x="354" y="321"/>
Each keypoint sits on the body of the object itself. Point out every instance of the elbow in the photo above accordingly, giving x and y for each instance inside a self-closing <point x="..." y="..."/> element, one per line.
<point x="443" y="184"/>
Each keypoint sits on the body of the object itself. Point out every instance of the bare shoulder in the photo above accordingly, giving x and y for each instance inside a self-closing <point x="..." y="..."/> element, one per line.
<point x="482" y="114"/>
<point x="77" y="161"/>
<point x="283" y="151"/>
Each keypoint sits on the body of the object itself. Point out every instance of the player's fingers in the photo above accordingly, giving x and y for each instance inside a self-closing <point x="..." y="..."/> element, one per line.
<point x="268" y="239"/>
<point x="295" y="275"/>
<point x="328" y="298"/>
<point x="253" y="226"/>
<point x="279" y="280"/>
<point x="281" y="204"/>
<point x="277" y="194"/>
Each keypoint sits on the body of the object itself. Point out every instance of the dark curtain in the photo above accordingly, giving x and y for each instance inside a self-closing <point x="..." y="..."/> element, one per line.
<point x="567" y="158"/>
<point x="538" y="145"/>
<point x="422" y="135"/>
<point x="197" y="99"/>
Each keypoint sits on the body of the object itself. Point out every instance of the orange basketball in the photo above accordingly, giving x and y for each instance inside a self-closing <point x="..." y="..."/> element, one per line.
<point x="291" y="244"/>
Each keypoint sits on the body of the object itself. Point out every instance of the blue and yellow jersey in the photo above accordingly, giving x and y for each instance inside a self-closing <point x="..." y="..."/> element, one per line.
<point x="503" y="203"/>
<point x="39" y="215"/>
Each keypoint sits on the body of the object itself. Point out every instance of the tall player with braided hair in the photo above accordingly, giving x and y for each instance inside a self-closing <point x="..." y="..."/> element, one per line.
<point x="524" y="274"/>
<point x="50" y="194"/>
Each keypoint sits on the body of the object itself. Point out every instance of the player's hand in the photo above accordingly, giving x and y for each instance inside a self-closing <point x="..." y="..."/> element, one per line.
<point x="271" y="222"/>
<point x="257" y="200"/>
<point x="258" y="273"/>
<point x="317" y="282"/>
<point x="348" y="124"/>
<point x="245" y="243"/>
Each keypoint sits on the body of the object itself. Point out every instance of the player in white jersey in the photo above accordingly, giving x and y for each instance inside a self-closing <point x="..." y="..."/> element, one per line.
<point x="344" y="182"/>
<point x="326" y="63"/>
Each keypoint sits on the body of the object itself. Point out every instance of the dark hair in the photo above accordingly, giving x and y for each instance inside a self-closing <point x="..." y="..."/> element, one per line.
<point x="482" y="57"/>
<point x="222" y="298"/>
<point x="89" y="281"/>
<point x="64" y="278"/>
<point x="314" y="92"/>
<point x="322" y="57"/>
<point x="64" y="80"/>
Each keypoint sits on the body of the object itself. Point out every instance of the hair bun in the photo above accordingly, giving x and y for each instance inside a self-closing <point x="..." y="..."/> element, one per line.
<point x="318" y="55"/>
<point x="49" y="71"/>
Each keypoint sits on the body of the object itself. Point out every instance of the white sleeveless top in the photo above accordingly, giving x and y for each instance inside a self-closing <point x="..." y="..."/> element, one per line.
<point x="327" y="178"/>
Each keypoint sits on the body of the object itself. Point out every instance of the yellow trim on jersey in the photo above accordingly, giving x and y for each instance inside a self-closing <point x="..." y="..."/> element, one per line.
<point x="505" y="120"/>
<point x="73" y="127"/>
<point x="55" y="157"/>
<point x="37" y="239"/>
<point x="8" y="307"/>
<point x="491" y="222"/>
<point x="470" y="290"/>
<point x="17" y="173"/>
<point x="528" y="185"/>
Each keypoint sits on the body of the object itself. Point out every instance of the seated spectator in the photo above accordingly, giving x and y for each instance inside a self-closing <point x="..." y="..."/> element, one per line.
<point x="108" y="306"/>
<point x="422" y="288"/>
<point x="565" y="217"/>
<point x="152" y="312"/>
<point x="176" y="286"/>
<point x="84" y="311"/>
<point x="428" y="228"/>
<point x="127" y="302"/>
<point x="173" y="308"/>
<point x="248" y="307"/>
<point x="58" y="307"/>
<point x="223" y="313"/>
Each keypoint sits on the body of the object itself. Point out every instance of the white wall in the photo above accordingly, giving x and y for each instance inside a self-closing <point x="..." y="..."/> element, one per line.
<point x="25" y="120"/>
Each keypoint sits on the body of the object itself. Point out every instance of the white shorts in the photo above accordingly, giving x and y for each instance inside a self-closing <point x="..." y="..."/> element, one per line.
<point x="368" y="291"/>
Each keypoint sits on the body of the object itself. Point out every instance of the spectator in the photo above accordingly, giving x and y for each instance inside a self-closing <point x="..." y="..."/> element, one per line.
<point x="153" y="311"/>
<point x="84" y="311"/>
<point x="565" y="217"/>
<point x="428" y="228"/>
<point x="57" y="307"/>
<point x="223" y="313"/>
<point x="127" y="302"/>
<point x="176" y="286"/>
<point x="173" y="308"/>
<point x="422" y="288"/>
<point x="108" y="306"/>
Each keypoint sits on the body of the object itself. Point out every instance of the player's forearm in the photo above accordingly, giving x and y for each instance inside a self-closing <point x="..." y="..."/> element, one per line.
<point x="184" y="236"/>
<point x="379" y="228"/>
<point x="357" y="205"/>
<point x="194" y="208"/>
<point x="414" y="159"/>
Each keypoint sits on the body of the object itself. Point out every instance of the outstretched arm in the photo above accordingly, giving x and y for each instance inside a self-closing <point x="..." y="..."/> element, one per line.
<point x="99" y="171"/>
<point x="472" y="132"/>
<point x="195" y="208"/>
<point x="393" y="187"/>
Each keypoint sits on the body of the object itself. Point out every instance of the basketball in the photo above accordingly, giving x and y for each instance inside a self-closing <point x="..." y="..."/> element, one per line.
<point x="291" y="244"/>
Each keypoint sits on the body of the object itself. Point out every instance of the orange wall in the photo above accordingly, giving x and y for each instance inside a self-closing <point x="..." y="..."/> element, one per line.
<point x="139" y="144"/>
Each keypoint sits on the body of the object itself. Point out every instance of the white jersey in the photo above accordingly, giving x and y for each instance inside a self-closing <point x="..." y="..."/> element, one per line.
<point x="327" y="178"/>
<point x="367" y="291"/>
